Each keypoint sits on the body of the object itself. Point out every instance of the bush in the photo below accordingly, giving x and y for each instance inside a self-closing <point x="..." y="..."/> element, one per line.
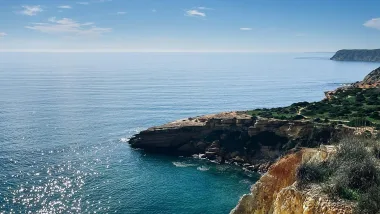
<point x="357" y="122"/>
<point x="369" y="202"/>
<point x="361" y="176"/>
<point x="352" y="173"/>
<point x="298" y="117"/>
<point x="311" y="173"/>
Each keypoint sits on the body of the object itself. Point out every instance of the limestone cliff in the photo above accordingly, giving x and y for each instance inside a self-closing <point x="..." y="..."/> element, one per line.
<point x="277" y="192"/>
<point x="234" y="137"/>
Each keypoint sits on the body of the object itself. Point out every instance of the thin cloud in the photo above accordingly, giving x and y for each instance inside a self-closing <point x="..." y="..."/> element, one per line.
<point x="245" y="28"/>
<point x="31" y="10"/>
<point x="83" y="3"/>
<point x="373" y="23"/>
<point x="204" y="8"/>
<point x="101" y="1"/>
<point x="154" y="10"/>
<point x="2" y="34"/>
<point x="195" y="13"/>
<point x="68" y="27"/>
<point x="65" y="7"/>
<point x="121" y="13"/>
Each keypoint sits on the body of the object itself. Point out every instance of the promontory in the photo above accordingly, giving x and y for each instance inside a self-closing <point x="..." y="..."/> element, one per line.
<point x="319" y="157"/>
<point x="363" y="55"/>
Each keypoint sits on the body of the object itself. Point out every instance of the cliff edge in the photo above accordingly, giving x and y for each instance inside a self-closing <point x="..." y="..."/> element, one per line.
<point x="235" y="137"/>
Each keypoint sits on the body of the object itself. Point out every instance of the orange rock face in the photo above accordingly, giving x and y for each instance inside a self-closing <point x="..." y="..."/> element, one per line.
<point x="276" y="191"/>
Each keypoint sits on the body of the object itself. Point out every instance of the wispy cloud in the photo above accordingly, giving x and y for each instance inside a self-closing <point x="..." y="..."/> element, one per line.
<point x="373" y="23"/>
<point x="65" y="7"/>
<point x="104" y="1"/>
<point x="83" y="3"/>
<point x="2" y="34"/>
<point x="68" y="26"/>
<point x="195" y="13"/>
<point x="204" y="8"/>
<point x="245" y="28"/>
<point x="121" y="13"/>
<point x="31" y="10"/>
<point x="154" y="10"/>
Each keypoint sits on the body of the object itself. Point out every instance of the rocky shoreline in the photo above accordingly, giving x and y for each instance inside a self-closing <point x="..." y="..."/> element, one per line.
<point x="235" y="138"/>
<point x="254" y="141"/>
<point x="275" y="146"/>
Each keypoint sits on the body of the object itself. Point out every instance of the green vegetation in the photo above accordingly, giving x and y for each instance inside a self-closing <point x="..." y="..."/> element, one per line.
<point x="350" y="106"/>
<point x="352" y="173"/>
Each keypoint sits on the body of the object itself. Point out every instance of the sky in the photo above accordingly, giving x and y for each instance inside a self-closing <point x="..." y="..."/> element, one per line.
<point x="188" y="25"/>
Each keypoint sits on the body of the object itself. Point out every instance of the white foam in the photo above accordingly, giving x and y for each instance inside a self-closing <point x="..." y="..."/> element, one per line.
<point x="245" y="181"/>
<point x="124" y="139"/>
<point x="203" y="168"/>
<point x="182" y="164"/>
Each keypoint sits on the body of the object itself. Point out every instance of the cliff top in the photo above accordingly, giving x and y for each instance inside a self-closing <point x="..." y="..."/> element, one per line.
<point x="202" y="120"/>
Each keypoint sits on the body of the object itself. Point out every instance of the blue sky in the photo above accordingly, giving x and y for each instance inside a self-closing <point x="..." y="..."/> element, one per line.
<point x="189" y="25"/>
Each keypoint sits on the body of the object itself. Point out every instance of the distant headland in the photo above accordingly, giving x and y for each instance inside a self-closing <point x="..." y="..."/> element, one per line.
<point x="363" y="55"/>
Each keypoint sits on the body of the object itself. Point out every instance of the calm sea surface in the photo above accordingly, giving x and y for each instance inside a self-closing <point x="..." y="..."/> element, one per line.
<point x="65" y="120"/>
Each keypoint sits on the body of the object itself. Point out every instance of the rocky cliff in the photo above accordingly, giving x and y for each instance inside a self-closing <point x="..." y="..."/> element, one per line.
<point x="277" y="191"/>
<point x="255" y="140"/>
<point x="372" y="80"/>
<point x="235" y="137"/>
<point x="357" y="55"/>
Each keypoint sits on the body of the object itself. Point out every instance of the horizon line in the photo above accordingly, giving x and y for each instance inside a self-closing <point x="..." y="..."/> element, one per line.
<point x="148" y="51"/>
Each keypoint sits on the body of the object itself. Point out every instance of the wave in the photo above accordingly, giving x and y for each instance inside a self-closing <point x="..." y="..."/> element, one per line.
<point x="245" y="181"/>
<point x="203" y="168"/>
<point x="124" y="139"/>
<point x="182" y="164"/>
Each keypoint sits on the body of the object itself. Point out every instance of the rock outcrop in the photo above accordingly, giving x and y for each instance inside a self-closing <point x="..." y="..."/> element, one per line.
<point x="277" y="193"/>
<point x="234" y="137"/>
<point x="372" y="80"/>
<point x="357" y="55"/>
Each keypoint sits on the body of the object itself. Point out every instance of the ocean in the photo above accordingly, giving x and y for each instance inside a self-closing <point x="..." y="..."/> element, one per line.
<point x="65" y="119"/>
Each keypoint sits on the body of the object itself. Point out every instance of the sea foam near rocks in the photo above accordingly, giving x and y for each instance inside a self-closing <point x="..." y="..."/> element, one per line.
<point x="182" y="164"/>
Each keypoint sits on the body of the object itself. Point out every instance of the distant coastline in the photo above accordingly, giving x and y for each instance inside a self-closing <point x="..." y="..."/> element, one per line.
<point x="360" y="55"/>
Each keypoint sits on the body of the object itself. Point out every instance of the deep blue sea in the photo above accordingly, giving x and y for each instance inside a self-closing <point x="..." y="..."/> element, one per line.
<point x="65" y="119"/>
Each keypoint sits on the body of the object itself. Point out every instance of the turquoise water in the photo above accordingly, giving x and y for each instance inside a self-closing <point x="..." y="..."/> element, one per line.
<point x="65" y="120"/>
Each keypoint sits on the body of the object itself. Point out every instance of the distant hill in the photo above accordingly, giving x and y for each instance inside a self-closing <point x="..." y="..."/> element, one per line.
<point x="357" y="55"/>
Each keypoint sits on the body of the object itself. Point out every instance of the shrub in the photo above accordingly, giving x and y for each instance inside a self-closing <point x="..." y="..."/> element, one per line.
<point x="361" y="176"/>
<point x="351" y="173"/>
<point x="311" y="172"/>
<point x="369" y="202"/>
<point x="298" y="117"/>
<point x="357" y="122"/>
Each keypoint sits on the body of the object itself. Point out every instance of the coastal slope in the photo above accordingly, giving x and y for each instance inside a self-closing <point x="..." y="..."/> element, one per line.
<point x="277" y="191"/>
<point x="357" y="55"/>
